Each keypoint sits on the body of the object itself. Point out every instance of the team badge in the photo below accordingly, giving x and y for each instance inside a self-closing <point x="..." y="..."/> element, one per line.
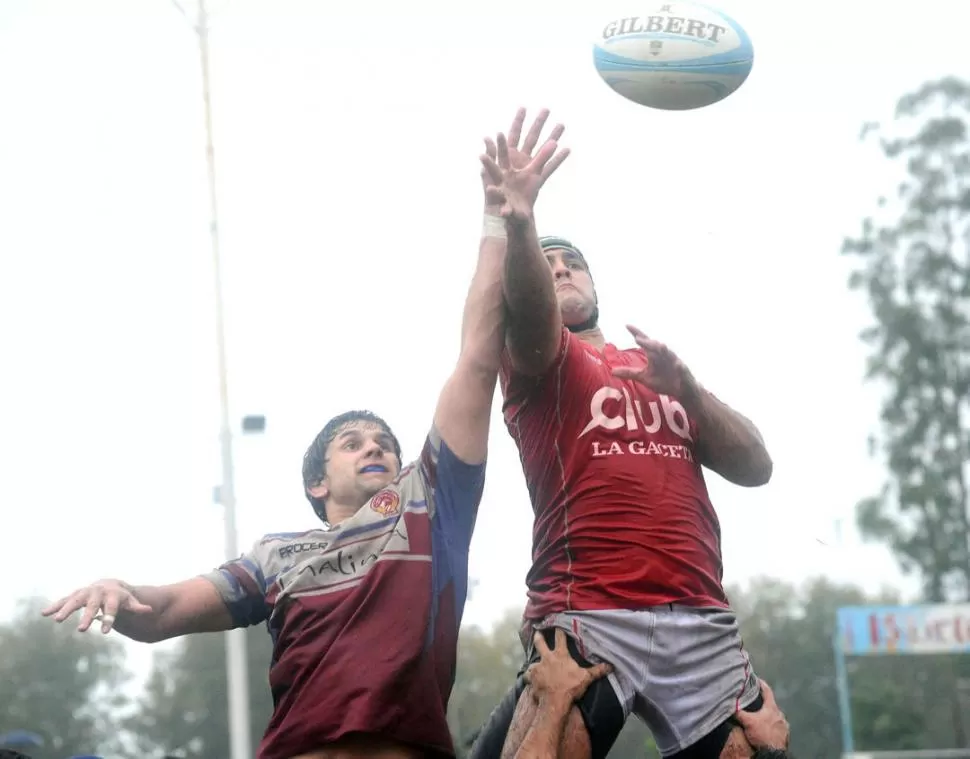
<point x="386" y="502"/>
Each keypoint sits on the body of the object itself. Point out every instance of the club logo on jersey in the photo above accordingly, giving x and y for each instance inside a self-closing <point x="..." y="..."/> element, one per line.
<point x="613" y="408"/>
<point x="630" y="414"/>
<point x="386" y="502"/>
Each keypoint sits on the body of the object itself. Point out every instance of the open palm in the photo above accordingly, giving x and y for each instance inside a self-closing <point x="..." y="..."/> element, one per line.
<point x="664" y="372"/>
<point x="513" y="177"/>
<point x="519" y="157"/>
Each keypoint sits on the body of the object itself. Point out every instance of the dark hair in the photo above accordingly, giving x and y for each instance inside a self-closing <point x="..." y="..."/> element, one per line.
<point x="315" y="458"/>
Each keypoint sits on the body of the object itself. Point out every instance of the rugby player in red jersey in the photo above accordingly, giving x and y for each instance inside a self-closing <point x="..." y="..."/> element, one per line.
<point x="626" y="543"/>
<point x="363" y="610"/>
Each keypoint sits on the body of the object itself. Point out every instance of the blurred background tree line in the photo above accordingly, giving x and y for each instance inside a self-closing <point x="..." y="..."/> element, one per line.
<point x="911" y="262"/>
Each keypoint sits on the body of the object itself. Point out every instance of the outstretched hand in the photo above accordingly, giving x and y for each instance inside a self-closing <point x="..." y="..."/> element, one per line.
<point x="664" y="373"/>
<point x="512" y="176"/>
<point x="102" y="600"/>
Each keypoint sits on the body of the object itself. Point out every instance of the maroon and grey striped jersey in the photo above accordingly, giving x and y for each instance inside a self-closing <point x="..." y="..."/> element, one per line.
<point x="364" y="616"/>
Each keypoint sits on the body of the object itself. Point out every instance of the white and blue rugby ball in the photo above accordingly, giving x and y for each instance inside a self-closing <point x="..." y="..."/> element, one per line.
<point x="673" y="56"/>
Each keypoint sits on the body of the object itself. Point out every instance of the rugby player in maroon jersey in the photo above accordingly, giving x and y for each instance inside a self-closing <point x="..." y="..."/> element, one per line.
<point x="626" y="542"/>
<point x="364" y="609"/>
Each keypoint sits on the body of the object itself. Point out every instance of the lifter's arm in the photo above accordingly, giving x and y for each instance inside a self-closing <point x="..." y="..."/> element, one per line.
<point x="148" y="613"/>
<point x="548" y="728"/>
<point x="556" y="682"/>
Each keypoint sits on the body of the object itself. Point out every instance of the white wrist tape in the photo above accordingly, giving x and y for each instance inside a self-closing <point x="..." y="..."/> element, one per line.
<point x="494" y="226"/>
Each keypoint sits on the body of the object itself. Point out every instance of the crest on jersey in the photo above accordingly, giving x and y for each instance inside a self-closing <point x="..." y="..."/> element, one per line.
<point x="386" y="502"/>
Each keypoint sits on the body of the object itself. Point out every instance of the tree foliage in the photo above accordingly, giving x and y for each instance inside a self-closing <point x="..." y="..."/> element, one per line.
<point x="59" y="684"/>
<point x="184" y="710"/>
<point x="788" y="632"/>
<point x="914" y="267"/>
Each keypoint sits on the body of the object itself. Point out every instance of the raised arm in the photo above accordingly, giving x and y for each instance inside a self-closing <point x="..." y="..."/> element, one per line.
<point x="534" y="321"/>
<point x="464" y="407"/>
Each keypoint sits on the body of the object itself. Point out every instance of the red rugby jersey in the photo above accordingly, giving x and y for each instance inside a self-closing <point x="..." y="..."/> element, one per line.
<point x="623" y="519"/>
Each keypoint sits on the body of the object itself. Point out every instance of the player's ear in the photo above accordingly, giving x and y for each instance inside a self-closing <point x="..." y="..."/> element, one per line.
<point x="320" y="490"/>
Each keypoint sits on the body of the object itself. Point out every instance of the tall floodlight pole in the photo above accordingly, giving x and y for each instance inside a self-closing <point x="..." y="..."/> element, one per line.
<point x="237" y="685"/>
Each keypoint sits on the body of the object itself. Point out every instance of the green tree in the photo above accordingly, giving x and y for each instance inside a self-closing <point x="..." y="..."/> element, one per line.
<point x="914" y="266"/>
<point x="897" y="702"/>
<point x="184" y="710"/>
<point x="488" y="663"/>
<point x="58" y="683"/>
<point x="789" y="633"/>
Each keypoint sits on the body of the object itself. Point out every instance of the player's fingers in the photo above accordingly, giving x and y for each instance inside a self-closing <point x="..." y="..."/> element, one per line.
<point x="46" y="612"/>
<point x="559" y="638"/>
<point x="91" y="609"/>
<point x="503" y="151"/>
<point x="490" y="147"/>
<point x="74" y="602"/>
<point x="494" y="196"/>
<point x="556" y="132"/>
<point x="766" y="692"/>
<point x="137" y="607"/>
<point x="627" y="372"/>
<point x="600" y="670"/>
<point x="542" y="157"/>
<point x="109" y="610"/>
<point x="554" y="163"/>
<point x="532" y="138"/>
<point x="540" y="643"/>
<point x="654" y="348"/>
<point x="637" y="333"/>
<point x="491" y="169"/>
<point x="515" y="131"/>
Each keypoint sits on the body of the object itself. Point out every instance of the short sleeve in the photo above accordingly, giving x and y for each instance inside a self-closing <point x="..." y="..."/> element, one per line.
<point x="242" y="585"/>
<point x="517" y="388"/>
<point x="457" y="490"/>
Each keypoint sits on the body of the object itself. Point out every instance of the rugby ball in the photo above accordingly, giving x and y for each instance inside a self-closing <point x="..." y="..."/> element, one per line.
<point x="673" y="56"/>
